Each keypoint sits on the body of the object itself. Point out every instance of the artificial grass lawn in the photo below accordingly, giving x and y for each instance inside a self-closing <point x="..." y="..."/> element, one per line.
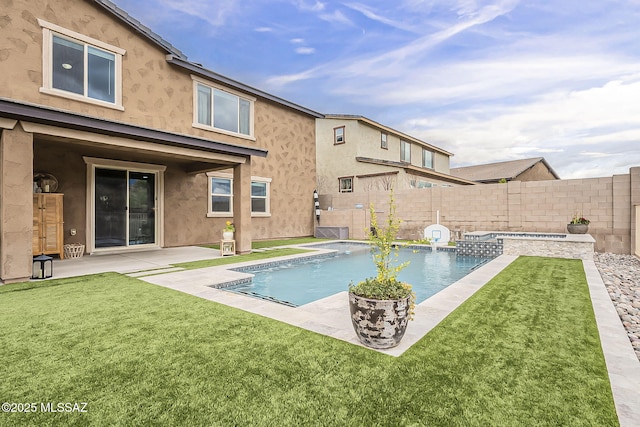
<point x="253" y="256"/>
<point x="261" y="244"/>
<point x="523" y="351"/>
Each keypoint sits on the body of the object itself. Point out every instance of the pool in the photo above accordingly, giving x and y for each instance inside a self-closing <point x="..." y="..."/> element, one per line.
<point x="298" y="283"/>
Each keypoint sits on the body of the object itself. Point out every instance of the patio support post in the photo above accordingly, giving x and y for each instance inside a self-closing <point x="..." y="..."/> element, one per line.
<point x="242" y="206"/>
<point x="16" y="201"/>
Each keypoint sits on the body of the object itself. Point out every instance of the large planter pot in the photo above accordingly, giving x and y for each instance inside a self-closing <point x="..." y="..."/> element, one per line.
<point x="379" y="323"/>
<point x="577" y="228"/>
<point x="227" y="235"/>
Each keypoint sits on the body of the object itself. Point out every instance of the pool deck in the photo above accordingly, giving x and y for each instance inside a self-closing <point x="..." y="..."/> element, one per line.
<point x="330" y="316"/>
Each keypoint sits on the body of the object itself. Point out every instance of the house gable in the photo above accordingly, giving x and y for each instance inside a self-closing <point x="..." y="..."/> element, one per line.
<point x="533" y="169"/>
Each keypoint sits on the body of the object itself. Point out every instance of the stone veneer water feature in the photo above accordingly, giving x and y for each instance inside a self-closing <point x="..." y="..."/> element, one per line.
<point x="492" y="244"/>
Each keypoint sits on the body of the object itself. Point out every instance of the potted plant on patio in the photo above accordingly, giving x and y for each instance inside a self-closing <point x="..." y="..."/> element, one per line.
<point x="578" y="225"/>
<point x="382" y="306"/>
<point x="227" y="232"/>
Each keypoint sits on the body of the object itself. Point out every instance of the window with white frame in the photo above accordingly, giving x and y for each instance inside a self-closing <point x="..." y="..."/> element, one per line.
<point x="80" y="67"/>
<point x="260" y="196"/>
<point x="427" y="158"/>
<point x="405" y="151"/>
<point x="383" y="141"/>
<point x="222" y="110"/>
<point x="338" y="135"/>
<point x="346" y="184"/>
<point x="221" y="195"/>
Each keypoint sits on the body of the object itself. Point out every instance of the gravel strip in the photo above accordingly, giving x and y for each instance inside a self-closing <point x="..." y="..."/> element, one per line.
<point x="621" y="276"/>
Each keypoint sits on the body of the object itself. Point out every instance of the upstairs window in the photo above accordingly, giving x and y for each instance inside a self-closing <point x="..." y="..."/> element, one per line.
<point x="427" y="158"/>
<point x="79" y="67"/>
<point x="338" y="135"/>
<point x="383" y="141"/>
<point x="405" y="151"/>
<point x="223" y="110"/>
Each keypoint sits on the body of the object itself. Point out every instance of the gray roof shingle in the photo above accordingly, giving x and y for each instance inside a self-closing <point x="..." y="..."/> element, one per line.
<point x="493" y="172"/>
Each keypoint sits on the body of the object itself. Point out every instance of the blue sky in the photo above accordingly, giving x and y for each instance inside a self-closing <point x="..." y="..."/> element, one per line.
<point x="486" y="80"/>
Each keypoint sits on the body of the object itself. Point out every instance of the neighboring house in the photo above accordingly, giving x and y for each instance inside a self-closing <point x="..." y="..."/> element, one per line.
<point x="534" y="169"/>
<point x="356" y="154"/>
<point x="149" y="149"/>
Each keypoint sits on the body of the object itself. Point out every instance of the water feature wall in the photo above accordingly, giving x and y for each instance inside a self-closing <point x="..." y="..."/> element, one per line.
<point x="487" y="243"/>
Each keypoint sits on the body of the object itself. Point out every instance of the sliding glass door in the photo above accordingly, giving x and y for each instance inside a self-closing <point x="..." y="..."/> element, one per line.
<point x="125" y="204"/>
<point x="142" y="209"/>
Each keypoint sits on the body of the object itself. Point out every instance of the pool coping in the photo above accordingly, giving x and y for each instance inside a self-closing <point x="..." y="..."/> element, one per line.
<point x="330" y="316"/>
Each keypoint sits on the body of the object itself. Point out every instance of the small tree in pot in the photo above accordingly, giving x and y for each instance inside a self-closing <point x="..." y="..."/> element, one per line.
<point x="382" y="306"/>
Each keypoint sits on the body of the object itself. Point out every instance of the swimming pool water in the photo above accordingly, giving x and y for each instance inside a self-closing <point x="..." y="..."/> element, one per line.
<point x="304" y="282"/>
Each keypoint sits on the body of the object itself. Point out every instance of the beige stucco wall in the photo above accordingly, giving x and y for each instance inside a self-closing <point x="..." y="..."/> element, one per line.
<point x="334" y="161"/>
<point x="16" y="225"/>
<point x="160" y="96"/>
<point x="543" y="206"/>
<point x="442" y="163"/>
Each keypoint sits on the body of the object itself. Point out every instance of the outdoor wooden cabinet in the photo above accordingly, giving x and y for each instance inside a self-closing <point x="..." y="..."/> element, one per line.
<point x="48" y="224"/>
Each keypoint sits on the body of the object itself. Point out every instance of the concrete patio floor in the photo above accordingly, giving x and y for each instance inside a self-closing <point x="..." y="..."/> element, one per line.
<point x="330" y="316"/>
<point x="131" y="262"/>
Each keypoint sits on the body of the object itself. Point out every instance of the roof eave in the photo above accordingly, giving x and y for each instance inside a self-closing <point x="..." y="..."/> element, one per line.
<point x="138" y="27"/>
<point x="553" y="172"/>
<point x="388" y="129"/>
<point x="415" y="169"/>
<point x="211" y="75"/>
<point x="44" y="115"/>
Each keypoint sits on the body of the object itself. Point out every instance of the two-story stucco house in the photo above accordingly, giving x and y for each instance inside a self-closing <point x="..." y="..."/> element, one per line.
<point x="148" y="149"/>
<point x="356" y="154"/>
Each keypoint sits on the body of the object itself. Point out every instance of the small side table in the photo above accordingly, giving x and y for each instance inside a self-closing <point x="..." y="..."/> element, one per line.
<point x="227" y="247"/>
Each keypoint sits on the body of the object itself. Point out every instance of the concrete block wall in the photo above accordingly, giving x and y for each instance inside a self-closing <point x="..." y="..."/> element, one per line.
<point x="610" y="203"/>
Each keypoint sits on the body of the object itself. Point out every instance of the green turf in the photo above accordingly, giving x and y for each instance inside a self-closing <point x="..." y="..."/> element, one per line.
<point x="261" y="244"/>
<point x="523" y="351"/>
<point x="254" y="256"/>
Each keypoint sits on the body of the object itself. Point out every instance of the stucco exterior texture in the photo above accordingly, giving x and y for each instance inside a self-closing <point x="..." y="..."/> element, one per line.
<point x="157" y="95"/>
<point x="339" y="160"/>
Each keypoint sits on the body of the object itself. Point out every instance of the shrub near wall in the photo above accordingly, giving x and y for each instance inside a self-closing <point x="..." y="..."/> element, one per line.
<point x="543" y="206"/>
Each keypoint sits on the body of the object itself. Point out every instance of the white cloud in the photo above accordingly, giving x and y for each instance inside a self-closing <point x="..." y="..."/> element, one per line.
<point x="369" y="13"/>
<point x="215" y="13"/>
<point x="314" y="6"/>
<point x="488" y="80"/>
<point x="390" y="63"/>
<point x="336" y="17"/>
<point x="582" y="122"/>
<point x="305" y="50"/>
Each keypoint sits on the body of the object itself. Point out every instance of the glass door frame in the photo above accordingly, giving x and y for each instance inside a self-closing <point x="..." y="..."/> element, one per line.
<point x="97" y="163"/>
